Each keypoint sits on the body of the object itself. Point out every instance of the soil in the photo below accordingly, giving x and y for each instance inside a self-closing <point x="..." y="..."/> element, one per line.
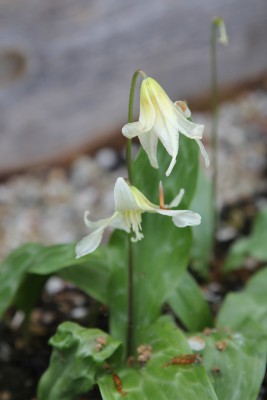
<point x="24" y="356"/>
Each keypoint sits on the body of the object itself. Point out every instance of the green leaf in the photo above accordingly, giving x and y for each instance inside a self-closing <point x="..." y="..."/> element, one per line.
<point x="203" y="233"/>
<point x="258" y="240"/>
<point x="237" y="255"/>
<point x="246" y="311"/>
<point x="53" y="258"/>
<point x="184" y="175"/>
<point x="90" y="273"/>
<point x="189" y="305"/>
<point x="75" y="363"/>
<point x="155" y="380"/>
<point x="13" y="270"/>
<point x="91" y="277"/>
<point x="161" y="258"/>
<point x="253" y="246"/>
<point x="258" y="282"/>
<point x="29" y="292"/>
<point x="237" y="371"/>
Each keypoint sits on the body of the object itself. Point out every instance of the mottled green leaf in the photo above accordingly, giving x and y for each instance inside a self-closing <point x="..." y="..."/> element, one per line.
<point x="237" y="370"/>
<point x="13" y="270"/>
<point x="156" y="380"/>
<point x="246" y="311"/>
<point x="188" y="303"/>
<point x="76" y="362"/>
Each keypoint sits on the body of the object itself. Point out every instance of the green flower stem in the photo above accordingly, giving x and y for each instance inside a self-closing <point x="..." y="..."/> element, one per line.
<point x="130" y="119"/>
<point x="217" y="25"/>
<point x="130" y="325"/>
<point x="214" y="126"/>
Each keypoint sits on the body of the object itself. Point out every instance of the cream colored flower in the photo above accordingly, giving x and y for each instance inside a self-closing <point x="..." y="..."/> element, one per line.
<point x="160" y="119"/>
<point x="130" y="203"/>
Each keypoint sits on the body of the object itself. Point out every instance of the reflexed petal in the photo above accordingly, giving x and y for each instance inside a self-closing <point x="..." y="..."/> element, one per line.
<point x="176" y="201"/>
<point x="182" y="218"/>
<point x="183" y="107"/>
<point x="89" y="243"/>
<point x="186" y="127"/>
<point x="149" y="142"/>
<point x="124" y="199"/>
<point x="94" y="225"/>
<point x="203" y="152"/>
<point x="132" y="129"/>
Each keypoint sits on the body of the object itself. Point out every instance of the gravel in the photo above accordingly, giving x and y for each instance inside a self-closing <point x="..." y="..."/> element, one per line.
<point x="48" y="207"/>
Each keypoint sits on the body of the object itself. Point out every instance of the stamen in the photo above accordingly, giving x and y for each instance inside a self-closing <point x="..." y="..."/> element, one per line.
<point x="161" y="196"/>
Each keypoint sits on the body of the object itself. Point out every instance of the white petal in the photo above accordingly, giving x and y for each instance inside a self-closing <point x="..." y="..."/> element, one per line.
<point x="146" y="117"/>
<point x="147" y="111"/>
<point x="176" y="201"/>
<point x="120" y="223"/>
<point x="167" y="134"/>
<point x="203" y="152"/>
<point x="174" y="114"/>
<point x="123" y="197"/>
<point x="149" y="142"/>
<point x="171" y="166"/>
<point x="132" y="129"/>
<point x="186" y="218"/>
<point x="94" y="225"/>
<point x="89" y="243"/>
<point x="143" y="203"/>
<point x="183" y="107"/>
<point x="169" y="137"/>
<point x="182" y="218"/>
<point x="188" y="128"/>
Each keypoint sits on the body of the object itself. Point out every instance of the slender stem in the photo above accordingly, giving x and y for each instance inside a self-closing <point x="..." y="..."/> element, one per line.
<point x="130" y="119"/>
<point x="214" y="128"/>
<point x="130" y="325"/>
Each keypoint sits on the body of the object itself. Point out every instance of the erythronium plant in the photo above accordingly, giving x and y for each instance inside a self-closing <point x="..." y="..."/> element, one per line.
<point x="145" y="355"/>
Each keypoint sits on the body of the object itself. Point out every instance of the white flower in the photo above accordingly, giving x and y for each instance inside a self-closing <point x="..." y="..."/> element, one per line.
<point x="161" y="119"/>
<point x="130" y="203"/>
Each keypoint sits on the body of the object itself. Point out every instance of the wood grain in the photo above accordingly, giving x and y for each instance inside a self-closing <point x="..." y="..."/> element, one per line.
<point x="66" y="65"/>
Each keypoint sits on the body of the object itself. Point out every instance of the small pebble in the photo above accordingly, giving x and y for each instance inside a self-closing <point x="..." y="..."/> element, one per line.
<point x="79" y="312"/>
<point x="54" y="285"/>
<point x="107" y="158"/>
<point x="196" y="343"/>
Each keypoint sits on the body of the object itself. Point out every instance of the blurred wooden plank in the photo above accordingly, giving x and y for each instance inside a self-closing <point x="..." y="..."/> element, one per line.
<point x="66" y="65"/>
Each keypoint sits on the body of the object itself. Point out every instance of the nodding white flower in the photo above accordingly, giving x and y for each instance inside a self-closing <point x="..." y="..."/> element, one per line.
<point x="130" y="203"/>
<point x="161" y="119"/>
